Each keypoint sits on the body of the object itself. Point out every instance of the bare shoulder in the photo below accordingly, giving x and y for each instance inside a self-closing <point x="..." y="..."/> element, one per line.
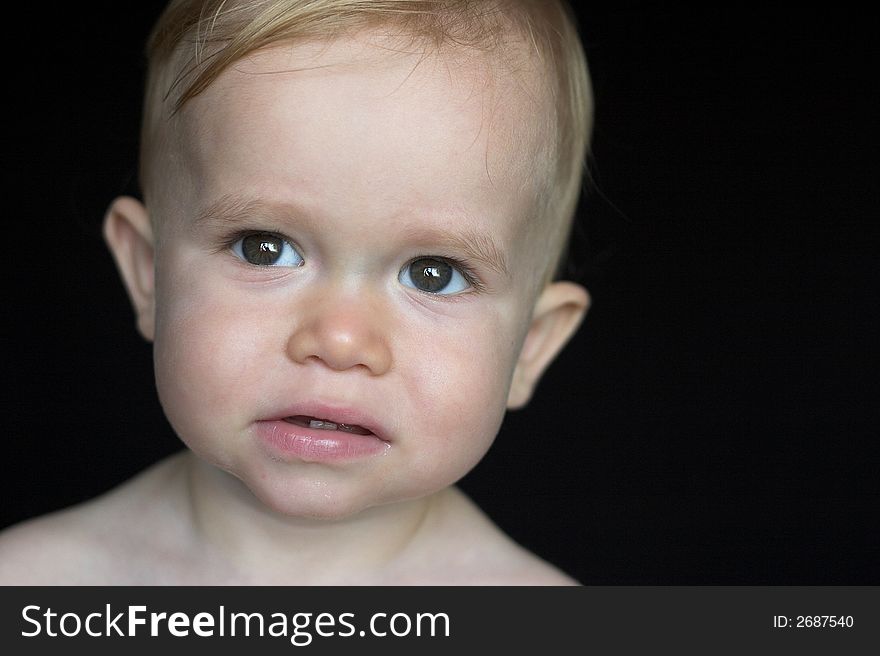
<point x="87" y="544"/>
<point x="40" y="551"/>
<point x="467" y="548"/>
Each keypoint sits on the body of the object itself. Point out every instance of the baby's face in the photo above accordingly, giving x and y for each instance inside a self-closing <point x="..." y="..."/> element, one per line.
<point x="343" y="278"/>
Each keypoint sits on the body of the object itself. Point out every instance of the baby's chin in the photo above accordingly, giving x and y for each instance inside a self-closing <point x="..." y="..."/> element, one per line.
<point x="298" y="507"/>
<point x="303" y="498"/>
<point x="312" y="492"/>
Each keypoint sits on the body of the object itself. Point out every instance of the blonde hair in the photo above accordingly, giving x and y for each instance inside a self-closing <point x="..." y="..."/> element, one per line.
<point x="194" y="41"/>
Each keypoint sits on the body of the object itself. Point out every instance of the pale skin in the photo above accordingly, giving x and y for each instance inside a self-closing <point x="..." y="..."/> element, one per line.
<point x="361" y="159"/>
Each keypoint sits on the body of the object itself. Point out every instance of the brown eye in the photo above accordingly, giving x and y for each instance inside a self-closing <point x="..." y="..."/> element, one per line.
<point x="266" y="249"/>
<point x="433" y="275"/>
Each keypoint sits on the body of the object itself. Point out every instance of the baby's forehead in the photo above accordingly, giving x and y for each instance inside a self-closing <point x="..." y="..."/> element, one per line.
<point x="375" y="102"/>
<point x="362" y="127"/>
<point x="509" y="81"/>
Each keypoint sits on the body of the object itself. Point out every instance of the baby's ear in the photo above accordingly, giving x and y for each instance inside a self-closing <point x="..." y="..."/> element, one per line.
<point x="129" y="236"/>
<point x="559" y="311"/>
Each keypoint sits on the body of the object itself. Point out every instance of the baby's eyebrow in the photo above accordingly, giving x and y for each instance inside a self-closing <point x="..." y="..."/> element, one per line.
<point x="476" y="246"/>
<point x="233" y="209"/>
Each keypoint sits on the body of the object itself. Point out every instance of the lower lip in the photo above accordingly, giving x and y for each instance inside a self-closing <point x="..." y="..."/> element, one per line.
<point x="293" y="442"/>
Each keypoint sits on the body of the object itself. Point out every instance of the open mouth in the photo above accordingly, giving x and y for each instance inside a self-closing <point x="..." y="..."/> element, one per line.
<point x="326" y="424"/>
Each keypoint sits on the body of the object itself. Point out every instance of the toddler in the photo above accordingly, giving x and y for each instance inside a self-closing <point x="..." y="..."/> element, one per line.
<point x="344" y="258"/>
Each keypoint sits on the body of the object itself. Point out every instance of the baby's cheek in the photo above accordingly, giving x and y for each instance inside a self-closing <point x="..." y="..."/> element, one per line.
<point x="202" y="353"/>
<point x="462" y="389"/>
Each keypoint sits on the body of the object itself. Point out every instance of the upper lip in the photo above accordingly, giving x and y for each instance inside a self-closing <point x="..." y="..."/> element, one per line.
<point x="338" y="414"/>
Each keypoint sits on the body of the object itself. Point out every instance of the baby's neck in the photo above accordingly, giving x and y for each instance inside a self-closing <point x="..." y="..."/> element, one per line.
<point x="256" y="545"/>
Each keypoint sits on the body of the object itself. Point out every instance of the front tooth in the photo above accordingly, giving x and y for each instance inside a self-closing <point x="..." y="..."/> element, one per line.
<point x="317" y="423"/>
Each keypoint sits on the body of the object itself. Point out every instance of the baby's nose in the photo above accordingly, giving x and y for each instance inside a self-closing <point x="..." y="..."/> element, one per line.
<point x="342" y="335"/>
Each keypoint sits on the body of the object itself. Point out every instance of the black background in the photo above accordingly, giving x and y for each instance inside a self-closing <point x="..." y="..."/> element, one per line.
<point x="714" y="422"/>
